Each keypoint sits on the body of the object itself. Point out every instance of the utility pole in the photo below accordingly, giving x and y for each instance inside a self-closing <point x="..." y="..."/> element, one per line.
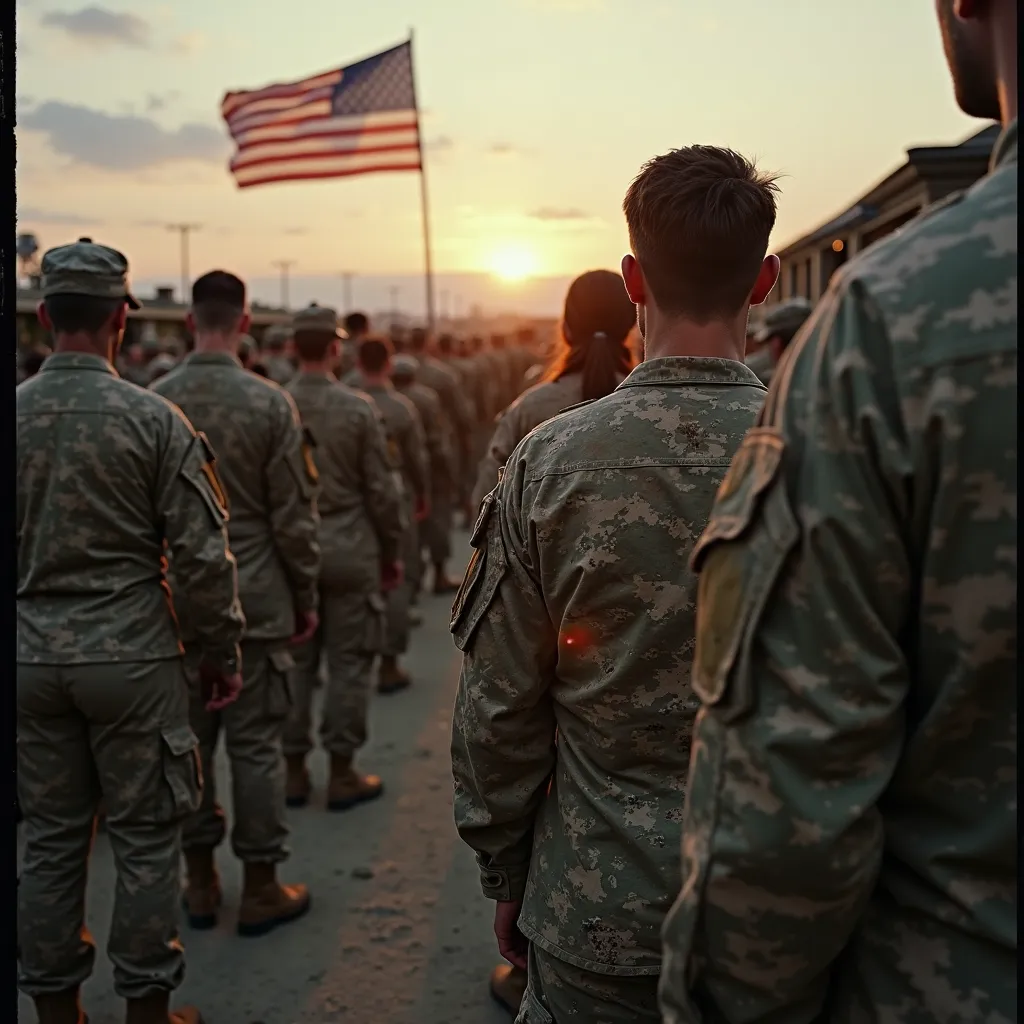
<point x="444" y="305"/>
<point x="184" y="230"/>
<point x="346" y="278"/>
<point x="283" y="266"/>
<point x="394" y="305"/>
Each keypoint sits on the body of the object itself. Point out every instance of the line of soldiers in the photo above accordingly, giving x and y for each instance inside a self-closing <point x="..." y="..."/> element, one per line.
<point x="195" y="557"/>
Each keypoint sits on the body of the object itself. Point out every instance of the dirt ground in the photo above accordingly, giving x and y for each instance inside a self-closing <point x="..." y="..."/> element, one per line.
<point x="398" y="932"/>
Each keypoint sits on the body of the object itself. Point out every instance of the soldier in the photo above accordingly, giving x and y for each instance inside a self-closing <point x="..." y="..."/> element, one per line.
<point x="361" y="532"/>
<point x="596" y="324"/>
<point x="457" y="425"/>
<point x="408" y="454"/>
<point x="850" y="847"/>
<point x="161" y="366"/>
<point x="778" y="327"/>
<point x="270" y="482"/>
<point x="357" y="327"/>
<point x="110" y="476"/>
<point x="274" y="355"/>
<point x="575" y="622"/>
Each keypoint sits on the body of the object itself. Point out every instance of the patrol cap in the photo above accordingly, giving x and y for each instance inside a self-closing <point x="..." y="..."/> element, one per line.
<point x="317" y="318"/>
<point x="786" y="317"/>
<point x="404" y="366"/>
<point x="162" y="363"/>
<point x="86" y="268"/>
<point x="276" y="334"/>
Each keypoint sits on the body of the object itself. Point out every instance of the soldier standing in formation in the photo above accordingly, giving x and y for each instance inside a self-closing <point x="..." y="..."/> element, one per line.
<point x="274" y="356"/>
<point x="408" y="454"/>
<point x="457" y="426"/>
<point x="850" y="845"/>
<point x="109" y="476"/>
<point x="777" y="330"/>
<point x="361" y="534"/>
<point x="573" y="617"/>
<point x="357" y="327"/>
<point x="270" y="482"/>
<point x="597" y="321"/>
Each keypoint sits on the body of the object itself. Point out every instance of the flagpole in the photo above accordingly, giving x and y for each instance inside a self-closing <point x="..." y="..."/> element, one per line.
<point x="424" y="204"/>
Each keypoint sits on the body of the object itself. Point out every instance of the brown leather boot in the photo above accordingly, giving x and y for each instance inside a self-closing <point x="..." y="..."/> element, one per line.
<point x="508" y="986"/>
<point x="60" y="1008"/>
<point x="202" y="897"/>
<point x="347" y="787"/>
<point x="392" y="678"/>
<point x="297" y="785"/>
<point x="266" y="903"/>
<point x="155" y="1009"/>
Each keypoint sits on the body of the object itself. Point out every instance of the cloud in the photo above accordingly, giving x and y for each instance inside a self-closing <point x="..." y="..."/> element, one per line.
<point x="121" y="142"/>
<point x="98" y="26"/>
<point x="440" y="143"/>
<point x="503" y="149"/>
<point x="296" y="231"/>
<point x="39" y="216"/>
<point x="159" y="101"/>
<point x="558" y="213"/>
<point x="189" y="43"/>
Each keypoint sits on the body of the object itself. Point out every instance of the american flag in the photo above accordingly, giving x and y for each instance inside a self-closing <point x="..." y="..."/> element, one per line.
<point x="355" y="120"/>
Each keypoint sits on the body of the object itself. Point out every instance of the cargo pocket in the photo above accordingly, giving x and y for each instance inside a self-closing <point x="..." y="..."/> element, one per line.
<point x="279" y="683"/>
<point x="486" y="569"/>
<point x="182" y="769"/>
<point x="739" y="557"/>
<point x="375" y="631"/>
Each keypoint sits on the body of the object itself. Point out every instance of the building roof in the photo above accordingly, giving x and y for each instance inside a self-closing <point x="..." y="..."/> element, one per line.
<point x="921" y="160"/>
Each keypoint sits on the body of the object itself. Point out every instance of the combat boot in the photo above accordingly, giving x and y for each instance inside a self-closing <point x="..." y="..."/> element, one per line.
<point x="347" y="787"/>
<point x="297" y="785"/>
<point x="392" y="677"/>
<point x="155" y="1009"/>
<point x="508" y="986"/>
<point x="60" y="1008"/>
<point x="202" y="896"/>
<point x="266" y="903"/>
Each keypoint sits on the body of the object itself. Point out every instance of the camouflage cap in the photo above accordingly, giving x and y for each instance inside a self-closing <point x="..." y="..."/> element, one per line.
<point x="317" y="318"/>
<point x="404" y="366"/>
<point x="86" y="268"/>
<point x="276" y="335"/>
<point x="246" y="345"/>
<point x="785" y="318"/>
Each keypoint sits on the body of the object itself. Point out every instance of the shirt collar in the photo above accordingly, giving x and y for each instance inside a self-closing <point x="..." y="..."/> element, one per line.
<point x="77" y="361"/>
<point x="682" y="370"/>
<point x="213" y="359"/>
<point x="1005" y="149"/>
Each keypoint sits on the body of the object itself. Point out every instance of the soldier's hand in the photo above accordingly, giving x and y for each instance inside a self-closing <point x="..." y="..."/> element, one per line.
<point x="306" y="624"/>
<point x="391" y="576"/>
<point x="219" y="687"/>
<point x="422" y="509"/>
<point x="512" y="943"/>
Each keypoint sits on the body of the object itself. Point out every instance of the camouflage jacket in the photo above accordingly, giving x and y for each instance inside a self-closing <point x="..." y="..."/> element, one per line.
<point x="572" y="724"/>
<point x="407" y="444"/>
<point x="529" y="410"/>
<point x="359" y="497"/>
<point x="851" y="835"/>
<point x="270" y="481"/>
<point x="455" y="405"/>
<point x="108" y="476"/>
<point x="436" y="433"/>
<point x="280" y="369"/>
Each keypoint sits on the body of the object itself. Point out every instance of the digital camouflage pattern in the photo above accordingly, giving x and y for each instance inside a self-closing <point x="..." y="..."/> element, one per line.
<point x="529" y="410"/>
<point x="851" y="837"/>
<point x="573" y="618"/>
<point x="107" y="472"/>
<point x="361" y="525"/>
<point x="407" y="450"/>
<point x="270" y="481"/>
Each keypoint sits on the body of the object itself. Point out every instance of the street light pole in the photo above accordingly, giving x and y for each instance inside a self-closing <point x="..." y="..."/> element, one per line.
<point x="283" y="266"/>
<point x="346" y="278"/>
<point x="394" y="305"/>
<point x="184" y="230"/>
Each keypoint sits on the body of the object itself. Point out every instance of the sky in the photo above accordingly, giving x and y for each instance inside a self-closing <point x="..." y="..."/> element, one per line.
<point x="536" y="116"/>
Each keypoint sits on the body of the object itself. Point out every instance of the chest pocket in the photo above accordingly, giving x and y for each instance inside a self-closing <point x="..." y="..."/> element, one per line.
<point x="740" y="557"/>
<point x="486" y="569"/>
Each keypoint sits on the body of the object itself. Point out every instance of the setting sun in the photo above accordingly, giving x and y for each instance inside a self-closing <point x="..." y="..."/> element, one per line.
<point x="513" y="263"/>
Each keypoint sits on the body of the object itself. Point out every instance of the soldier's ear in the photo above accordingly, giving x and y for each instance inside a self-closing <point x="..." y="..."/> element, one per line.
<point x="44" y="317"/>
<point x="243" y="327"/>
<point x="633" y="278"/>
<point x="766" y="278"/>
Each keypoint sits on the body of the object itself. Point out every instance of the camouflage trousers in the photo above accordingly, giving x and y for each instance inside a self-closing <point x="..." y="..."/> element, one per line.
<point x="396" y="640"/>
<point x="351" y="634"/>
<point x="120" y="733"/>
<point x="437" y="530"/>
<point x="558" y="992"/>
<point x="252" y="726"/>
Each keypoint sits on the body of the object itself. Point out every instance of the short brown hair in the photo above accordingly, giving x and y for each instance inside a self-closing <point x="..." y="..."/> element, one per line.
<point x="218" y="301"/>
<point x="312" y="345"/>
<point x="374" y="354"/>
<point x="699" y="221"/>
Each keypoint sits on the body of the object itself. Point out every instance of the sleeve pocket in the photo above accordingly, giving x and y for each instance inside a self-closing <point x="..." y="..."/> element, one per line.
<point x="200" y="471"/>
<point x="484" y="574"/>
<point x="739" y="558"/>
<point x="532" y="1011"/>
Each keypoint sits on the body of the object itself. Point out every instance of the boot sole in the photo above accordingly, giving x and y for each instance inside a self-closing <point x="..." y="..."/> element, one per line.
<point x="199" y="922"/>
<point x="353" y="801"/>
<point x="251" y="931"/>
<point x="386" y="691"/>
<point x="296" y="801"/>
